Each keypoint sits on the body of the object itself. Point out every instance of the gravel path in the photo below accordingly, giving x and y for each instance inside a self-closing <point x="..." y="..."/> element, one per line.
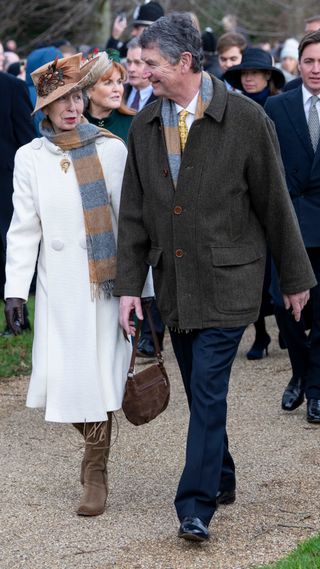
<point x="277" y="457"/>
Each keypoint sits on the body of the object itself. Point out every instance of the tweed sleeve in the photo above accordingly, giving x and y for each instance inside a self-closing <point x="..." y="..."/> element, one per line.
<point x="133" y="239"/>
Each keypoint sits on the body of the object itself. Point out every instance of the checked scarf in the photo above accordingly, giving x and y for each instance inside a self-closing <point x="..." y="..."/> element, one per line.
<point x="170" y="122"/>
<point x="101" y="244"/>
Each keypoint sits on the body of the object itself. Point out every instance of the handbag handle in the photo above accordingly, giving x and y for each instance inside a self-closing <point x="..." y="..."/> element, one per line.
<point x="147" y="306"/>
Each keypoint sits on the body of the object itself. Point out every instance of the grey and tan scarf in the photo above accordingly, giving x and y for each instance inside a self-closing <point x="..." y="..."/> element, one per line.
<point x="101" y="244"/>
<point x="170" y="122"/>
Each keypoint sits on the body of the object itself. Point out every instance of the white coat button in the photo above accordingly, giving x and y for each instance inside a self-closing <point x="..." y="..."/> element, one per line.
<point x="83" y="242"/>
<point x="57" y="245"/>
<point x="36" y="143"/>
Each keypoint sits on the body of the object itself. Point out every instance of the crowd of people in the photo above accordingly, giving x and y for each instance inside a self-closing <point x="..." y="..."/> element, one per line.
<point x="174" y="168"/>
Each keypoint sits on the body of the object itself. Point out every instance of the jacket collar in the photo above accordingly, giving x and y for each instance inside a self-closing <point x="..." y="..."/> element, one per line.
<point x="215" y="109"/>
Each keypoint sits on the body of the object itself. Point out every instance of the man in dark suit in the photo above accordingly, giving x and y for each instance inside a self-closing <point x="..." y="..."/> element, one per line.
<point x="203" y="231"/>
<point x="16" y="129"/>
<point x="296" y="116"/>
<point x="138" y="92"/>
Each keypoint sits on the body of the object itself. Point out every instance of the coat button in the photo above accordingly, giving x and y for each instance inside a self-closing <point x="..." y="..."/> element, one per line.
<point x="177" y="210"/>
<point x="57" y="245"/>
<point x="83" y="242"/>
<point x="165" y="172"/>
<point x="179" y="253"/>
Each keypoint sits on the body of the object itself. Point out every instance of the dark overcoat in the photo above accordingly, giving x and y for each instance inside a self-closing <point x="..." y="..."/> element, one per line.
<point x="301" y="164"/>
<point x="16" y="129"/>
<point x="206" y="239"/>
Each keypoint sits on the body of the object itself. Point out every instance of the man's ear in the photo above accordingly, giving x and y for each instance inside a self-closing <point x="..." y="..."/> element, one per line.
<point x="186" y="61"/>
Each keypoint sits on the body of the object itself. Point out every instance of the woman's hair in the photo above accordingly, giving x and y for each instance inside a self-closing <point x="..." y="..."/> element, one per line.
<point x="173" y="35"/>
<point x="123" y="109"/>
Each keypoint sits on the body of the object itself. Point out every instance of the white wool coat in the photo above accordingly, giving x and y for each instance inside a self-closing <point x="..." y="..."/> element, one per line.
<point x="80" y="357"/>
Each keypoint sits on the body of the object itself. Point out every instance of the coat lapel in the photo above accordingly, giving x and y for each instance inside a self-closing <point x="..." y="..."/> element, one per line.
<point x="294" y="107"/>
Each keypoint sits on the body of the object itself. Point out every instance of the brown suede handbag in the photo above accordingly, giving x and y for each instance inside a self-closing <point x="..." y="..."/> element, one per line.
<point x="147" y="392"/>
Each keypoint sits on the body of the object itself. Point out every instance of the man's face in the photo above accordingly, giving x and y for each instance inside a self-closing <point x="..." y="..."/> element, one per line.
<point x="1" y="57"/>
<point x="312" y="26"/>
<point x="163" y="76"/>
<point x="135" y="68"/>
<point x="229" y="58"/>
<point x="309" y="67"/>
<point x="137" y="31"/>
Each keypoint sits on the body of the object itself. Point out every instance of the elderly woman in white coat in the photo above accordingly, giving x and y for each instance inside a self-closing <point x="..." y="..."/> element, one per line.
<point x="66" y="199"/>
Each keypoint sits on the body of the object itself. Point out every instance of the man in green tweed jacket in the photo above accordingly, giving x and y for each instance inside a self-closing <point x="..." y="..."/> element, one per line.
<point x="201" y="217"/>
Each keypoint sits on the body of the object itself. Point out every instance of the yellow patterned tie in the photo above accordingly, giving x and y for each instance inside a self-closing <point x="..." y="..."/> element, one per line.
<point x="183" y="129"/>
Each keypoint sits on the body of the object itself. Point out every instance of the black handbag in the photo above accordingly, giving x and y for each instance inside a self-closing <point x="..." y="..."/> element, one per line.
<point x="147" y="392"/>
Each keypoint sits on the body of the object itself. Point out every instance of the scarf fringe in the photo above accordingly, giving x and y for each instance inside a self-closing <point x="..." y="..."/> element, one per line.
<point x="102" y="290"/>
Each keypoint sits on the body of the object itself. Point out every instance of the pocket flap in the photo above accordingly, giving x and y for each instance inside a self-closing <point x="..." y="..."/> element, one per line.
<point x="154" y="256"/>
<point x="225" y="256"/>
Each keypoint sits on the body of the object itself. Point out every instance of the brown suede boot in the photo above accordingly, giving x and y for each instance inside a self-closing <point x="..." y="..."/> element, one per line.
<point x="94" y="465"/>
<point x="81" y="428"/>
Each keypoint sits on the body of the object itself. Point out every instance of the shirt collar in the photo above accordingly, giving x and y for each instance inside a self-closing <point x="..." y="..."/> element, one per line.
<point x="306" y="95"/>
<point x="191" y="108"/>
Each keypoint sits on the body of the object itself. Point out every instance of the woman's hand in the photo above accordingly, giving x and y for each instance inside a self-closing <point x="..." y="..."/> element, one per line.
<point x="14" y="314"/>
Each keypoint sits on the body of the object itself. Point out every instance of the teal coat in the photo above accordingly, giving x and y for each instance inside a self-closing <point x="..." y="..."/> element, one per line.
<point x="206" y="240"/>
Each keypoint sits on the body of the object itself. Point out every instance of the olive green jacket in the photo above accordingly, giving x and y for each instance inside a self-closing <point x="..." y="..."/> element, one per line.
<point x="206" y="240"/>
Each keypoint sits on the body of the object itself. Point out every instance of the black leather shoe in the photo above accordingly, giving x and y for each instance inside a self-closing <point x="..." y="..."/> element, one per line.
<point x="293" y="395"/>
<point x="259" y="348"/>
<point x="225" y="497"/>
<point x="193" y="529"/>
<point x="313" y="410"/>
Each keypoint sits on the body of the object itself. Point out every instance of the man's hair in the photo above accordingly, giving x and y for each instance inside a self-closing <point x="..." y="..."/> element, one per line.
<point x="132" y="44"/>
<point x="308" y="39"/>
<point x="312" y="19"/>
<point x="174" y="34"/>
<point x="231" y="39"/>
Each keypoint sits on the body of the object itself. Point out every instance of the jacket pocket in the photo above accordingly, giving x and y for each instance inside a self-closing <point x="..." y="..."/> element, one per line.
<point x="238" y="274"/>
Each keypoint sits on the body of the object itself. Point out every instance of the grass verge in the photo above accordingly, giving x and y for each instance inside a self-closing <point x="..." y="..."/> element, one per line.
<point x="15" y="351"/>
<point x="305" y="556"/>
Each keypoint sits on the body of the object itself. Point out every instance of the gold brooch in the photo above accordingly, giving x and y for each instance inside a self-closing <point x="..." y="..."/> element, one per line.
<point x="65" y="163"/>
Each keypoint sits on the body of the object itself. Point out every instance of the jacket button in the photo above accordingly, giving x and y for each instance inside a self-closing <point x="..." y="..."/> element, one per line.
<point x="179" y="253"/>
<point x="165" y="172"/>
<point x="57" y="245"/>
<point x="177" y="210"/>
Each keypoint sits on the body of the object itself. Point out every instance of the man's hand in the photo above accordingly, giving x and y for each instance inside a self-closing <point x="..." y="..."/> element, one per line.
<point x="119" y="26"/>
<point x="297" y="302"/>
<point x="128" y="305"/>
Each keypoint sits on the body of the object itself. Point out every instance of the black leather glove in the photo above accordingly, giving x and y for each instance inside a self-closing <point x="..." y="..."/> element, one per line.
<point x="14" y="314"/>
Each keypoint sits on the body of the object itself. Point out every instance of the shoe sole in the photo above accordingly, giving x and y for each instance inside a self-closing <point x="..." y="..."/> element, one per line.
<point x="226" y="502"/>
<point x="192" y="537"/>
<point x="315" y="421"/>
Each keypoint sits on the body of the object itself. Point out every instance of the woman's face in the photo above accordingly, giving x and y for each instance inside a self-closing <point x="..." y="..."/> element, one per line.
<point x="254" y="80"/>
<point x="107" y="94"/>
<point x="65" y="113"/>
<point x="289" y="64"/>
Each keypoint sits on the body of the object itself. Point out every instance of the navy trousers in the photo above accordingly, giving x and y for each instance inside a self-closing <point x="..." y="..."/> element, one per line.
<point x="303" y="348"/>
<point x="205" y="358"/>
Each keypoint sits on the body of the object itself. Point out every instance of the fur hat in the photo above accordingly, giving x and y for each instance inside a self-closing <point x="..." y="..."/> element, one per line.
<point x="147" y="13"/>
<point x="66" y="75"/>
<point x="254" y="58"/>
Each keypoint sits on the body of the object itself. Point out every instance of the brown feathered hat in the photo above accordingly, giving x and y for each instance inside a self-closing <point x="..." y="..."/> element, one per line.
<point x="65" y="75"/>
